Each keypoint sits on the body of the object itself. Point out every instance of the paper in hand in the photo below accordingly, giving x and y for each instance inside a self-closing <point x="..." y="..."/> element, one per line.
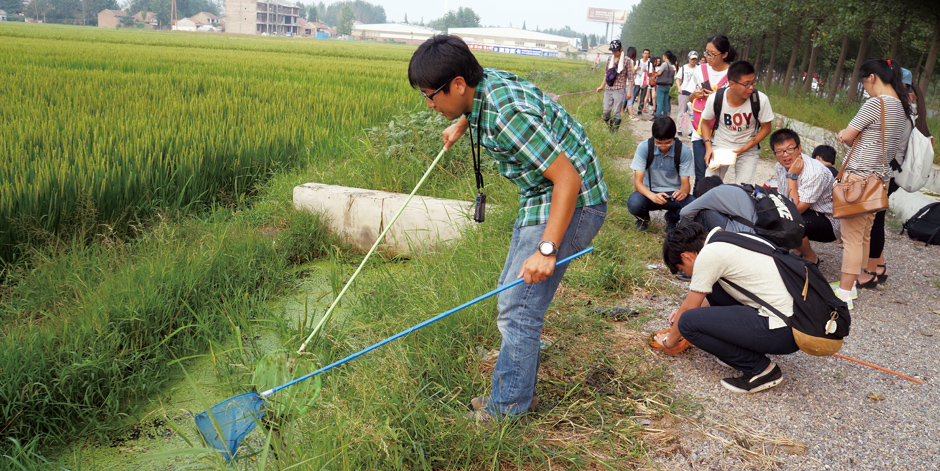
<point x="722" y="157"/>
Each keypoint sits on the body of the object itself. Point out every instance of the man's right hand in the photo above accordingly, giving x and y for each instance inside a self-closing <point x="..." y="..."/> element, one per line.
<point x="454" y="131"/>
<point x="660" y="198"/>
<point x="600" y="89"/>
<point x="708" y="156"/>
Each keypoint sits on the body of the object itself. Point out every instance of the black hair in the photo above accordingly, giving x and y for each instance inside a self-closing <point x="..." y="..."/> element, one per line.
<point x="441" y="59"/>
<point x="702" y="186"/>
<point x="827" y="153"/>
<point x="890" y="73"/>
<point x="631" y="53"/>
<point x="721" y="43"/>
<point x="657" y="58"/>
<point x="739" y="69"/>
<point x="647" y="50"/>
<point x="664" y="128"/>
<point x="671" y="57"/>
<point x="684" y="238"/>
<point x="781" y="136"/>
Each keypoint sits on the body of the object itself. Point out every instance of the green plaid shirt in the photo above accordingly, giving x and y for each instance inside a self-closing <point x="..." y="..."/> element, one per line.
<point x="524" y="130"/>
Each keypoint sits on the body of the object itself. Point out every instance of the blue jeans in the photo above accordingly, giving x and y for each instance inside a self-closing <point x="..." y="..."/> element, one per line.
<point x="663" y="101"/>
<point x="698" y="157"/>
<point x="735" y="333"/>
<point x="522" y="310"/>
<point x="633" y="95"/>
<point x="640" y="207"/>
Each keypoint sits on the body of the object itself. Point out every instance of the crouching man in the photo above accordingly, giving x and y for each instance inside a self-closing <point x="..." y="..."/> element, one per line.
<point x="562" y="203"/>
<point x="808" y="183"/>
<point x="722" y="321"/>
<point x="662" y="167"/>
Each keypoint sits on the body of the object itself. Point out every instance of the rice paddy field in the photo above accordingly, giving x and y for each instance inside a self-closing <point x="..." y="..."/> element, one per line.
<point x="147" y="240"/>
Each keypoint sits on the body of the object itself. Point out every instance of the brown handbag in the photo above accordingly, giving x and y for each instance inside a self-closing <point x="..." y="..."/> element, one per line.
<point x="853" y="195"/>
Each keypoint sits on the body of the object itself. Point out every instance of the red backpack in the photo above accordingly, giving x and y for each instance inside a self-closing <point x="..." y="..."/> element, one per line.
<point x="698" y="106"/>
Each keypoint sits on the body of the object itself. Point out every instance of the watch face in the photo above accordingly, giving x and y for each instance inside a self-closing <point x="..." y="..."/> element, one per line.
<point x="546" y="248"/>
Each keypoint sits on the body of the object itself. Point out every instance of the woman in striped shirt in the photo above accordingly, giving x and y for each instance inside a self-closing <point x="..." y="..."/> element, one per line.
<point x="882" y="80"/>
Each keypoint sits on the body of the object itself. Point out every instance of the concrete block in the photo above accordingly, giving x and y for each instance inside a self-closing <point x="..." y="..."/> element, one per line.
<point x="361" y="215"/>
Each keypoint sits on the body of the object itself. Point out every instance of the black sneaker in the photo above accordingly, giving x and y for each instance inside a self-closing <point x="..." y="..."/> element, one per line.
<point x="753" y="384"/>
<point x="642" y="224"/>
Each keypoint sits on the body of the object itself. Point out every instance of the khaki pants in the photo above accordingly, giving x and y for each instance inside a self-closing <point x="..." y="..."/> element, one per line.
<point x="856" y="238"/>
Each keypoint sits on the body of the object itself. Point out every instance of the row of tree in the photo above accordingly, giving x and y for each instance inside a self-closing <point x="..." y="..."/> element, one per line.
<point x="786" y="39"/>
<point x="85" y="12"/>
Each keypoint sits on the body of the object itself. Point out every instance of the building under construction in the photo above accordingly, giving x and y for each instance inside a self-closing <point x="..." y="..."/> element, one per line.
<point x="261" y="17"/>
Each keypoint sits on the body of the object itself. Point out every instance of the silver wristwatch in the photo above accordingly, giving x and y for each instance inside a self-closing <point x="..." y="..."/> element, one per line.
<point x="547" y="248"/>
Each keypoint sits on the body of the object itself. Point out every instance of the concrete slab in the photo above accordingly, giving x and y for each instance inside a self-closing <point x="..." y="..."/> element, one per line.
<point x="362" y="214"/>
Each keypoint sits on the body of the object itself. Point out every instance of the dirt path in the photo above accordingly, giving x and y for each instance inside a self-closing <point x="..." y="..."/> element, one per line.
<point x="829" y="413"/>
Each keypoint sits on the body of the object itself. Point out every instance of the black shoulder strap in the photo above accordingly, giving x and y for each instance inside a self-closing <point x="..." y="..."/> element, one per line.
<point x="676" y="153"/>
<point x="785" y="319"/>
<point x="649" y="154"/>
<point x="755" y="110"/>
<point x="742" y="241"/>
<point x="719" y="101"/>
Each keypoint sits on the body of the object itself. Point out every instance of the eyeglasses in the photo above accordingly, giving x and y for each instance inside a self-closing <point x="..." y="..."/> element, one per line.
<point x="435" y="92"/>
<point x="709" y="55"/>
<point x="745" y="84"/>
<point x="787" y="151"/>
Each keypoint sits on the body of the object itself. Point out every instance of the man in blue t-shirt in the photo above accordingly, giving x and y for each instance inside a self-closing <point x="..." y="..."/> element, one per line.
<point x="662" y="183"/>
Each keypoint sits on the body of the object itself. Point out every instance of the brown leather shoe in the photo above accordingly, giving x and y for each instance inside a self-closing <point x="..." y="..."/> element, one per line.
<point x="480" y="402"/>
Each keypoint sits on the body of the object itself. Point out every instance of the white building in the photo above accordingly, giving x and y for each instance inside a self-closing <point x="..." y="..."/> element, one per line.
<point x="515" y="40"/>
<point x="3" y="15"/>
<point x="410" y="34"/>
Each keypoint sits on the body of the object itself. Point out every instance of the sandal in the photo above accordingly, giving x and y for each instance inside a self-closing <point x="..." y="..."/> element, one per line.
<point x="679" y="347"/>
<point x="884" y="274"/>
<point x="870" y="284"/>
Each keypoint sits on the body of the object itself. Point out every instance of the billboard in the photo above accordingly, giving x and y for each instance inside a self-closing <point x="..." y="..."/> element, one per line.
<point x="606" y="15"/>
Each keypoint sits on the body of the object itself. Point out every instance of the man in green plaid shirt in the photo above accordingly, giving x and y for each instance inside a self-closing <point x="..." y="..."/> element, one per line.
<point x="562" y="197"/>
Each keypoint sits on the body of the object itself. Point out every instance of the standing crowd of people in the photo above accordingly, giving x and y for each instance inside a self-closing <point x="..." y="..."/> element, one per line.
<point x="563" y="198"/>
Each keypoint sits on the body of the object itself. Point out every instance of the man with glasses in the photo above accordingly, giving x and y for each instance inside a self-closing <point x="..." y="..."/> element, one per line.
<point x="664" y="181"/>
<point x="808" y="183"/>
<point x="737" y="128"/>
<point x="562" y="203"/>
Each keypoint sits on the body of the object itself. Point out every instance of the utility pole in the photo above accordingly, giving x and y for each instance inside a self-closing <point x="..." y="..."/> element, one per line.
<point x="173" y="16"/>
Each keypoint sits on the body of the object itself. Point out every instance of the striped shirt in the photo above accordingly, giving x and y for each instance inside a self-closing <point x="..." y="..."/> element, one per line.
<point x="625" y="74"/>
<point x="525" y="130"/>
<point x="867" y="157"/>
<point x="814" y="186"/>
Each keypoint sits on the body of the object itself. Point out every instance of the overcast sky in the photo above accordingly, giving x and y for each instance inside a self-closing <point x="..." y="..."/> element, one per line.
<point x="535" y="13"/>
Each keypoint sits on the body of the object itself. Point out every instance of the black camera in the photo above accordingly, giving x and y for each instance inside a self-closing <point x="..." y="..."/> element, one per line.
<point x="479" y="209"/>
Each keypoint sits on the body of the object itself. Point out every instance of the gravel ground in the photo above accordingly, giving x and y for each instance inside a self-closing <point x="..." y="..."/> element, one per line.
<point x="829" y="413"/>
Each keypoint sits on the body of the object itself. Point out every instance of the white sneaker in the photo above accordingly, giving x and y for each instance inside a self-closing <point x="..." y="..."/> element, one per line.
<point x="835" y="286"/>
<point x="846" y="300"/>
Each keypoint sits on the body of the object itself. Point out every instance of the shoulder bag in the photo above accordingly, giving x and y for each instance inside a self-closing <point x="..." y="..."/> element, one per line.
<point x="853" y="195"/>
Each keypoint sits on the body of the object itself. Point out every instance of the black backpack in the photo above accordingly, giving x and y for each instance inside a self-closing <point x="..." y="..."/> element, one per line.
<point x="755" y="110"/>
<point x="820" y="319"/>
<point x="924" y="225"/>
<point x="676" y="154"/>
<point x="778" y="219"/>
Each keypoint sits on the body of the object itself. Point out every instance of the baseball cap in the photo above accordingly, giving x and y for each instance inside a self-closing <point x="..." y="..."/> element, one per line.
<point x="616" y="45"/>
<point x="693" y="55"/>
<point x="906" y="76"/>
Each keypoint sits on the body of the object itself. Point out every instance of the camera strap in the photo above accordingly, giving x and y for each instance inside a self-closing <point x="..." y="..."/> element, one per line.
<point x="479" y="213"/>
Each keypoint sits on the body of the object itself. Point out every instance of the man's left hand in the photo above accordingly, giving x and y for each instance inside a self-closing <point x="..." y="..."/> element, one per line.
<point x="679" y="195"/>
<point x="797" y="165"/>
<point x="537" y="268"/>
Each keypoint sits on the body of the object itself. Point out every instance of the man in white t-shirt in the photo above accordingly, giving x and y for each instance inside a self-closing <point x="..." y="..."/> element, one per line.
<point x="720" y="320"/>
<point x="644" y="67"/>
<point x="685" y="80"/>
<point x="737" y="129"/>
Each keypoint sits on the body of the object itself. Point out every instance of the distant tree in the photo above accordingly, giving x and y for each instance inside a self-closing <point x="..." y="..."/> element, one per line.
<point x="406" y="18"/>
<point x="462" y="18"/>
<point x="346" y="19"/>
<point x="162" y="8"/>
<point x="12" y="7"/>
<point x="523" y="24"/>
<point x="362" y="11"/>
